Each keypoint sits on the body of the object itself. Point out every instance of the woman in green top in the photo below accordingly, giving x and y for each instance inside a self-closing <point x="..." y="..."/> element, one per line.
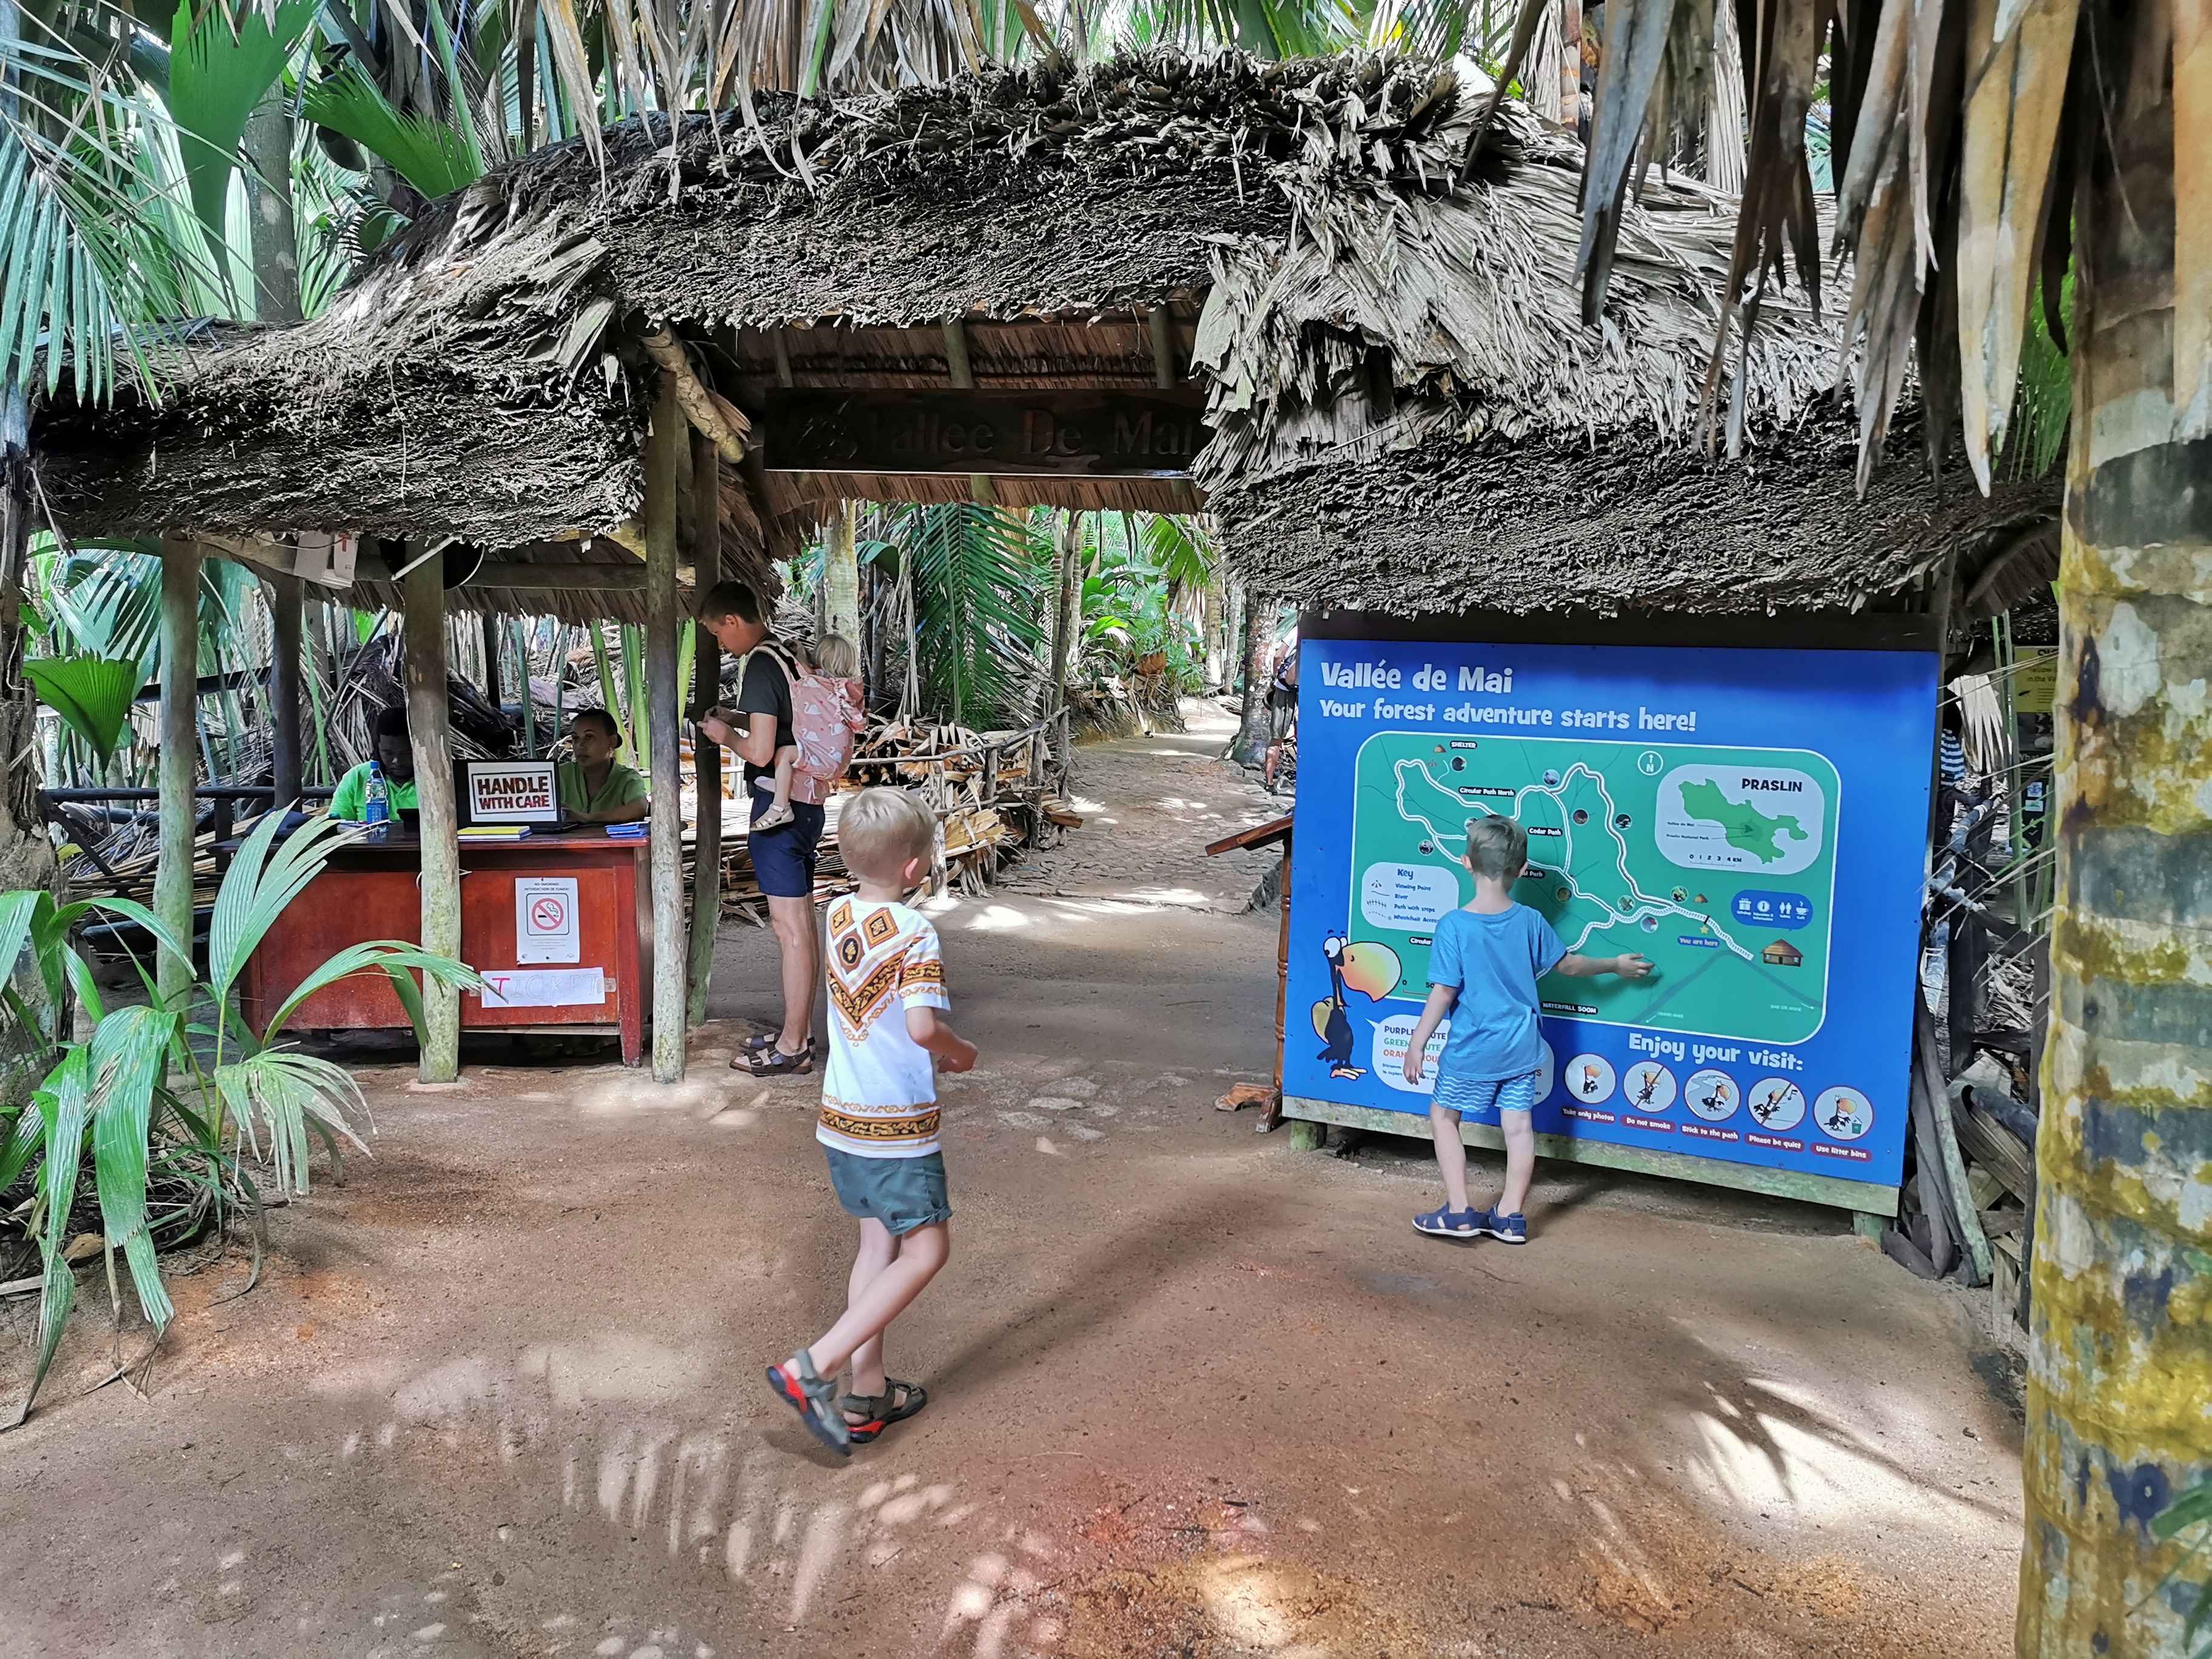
<point x="395" y="754"/>
<point x="595" y="787"/>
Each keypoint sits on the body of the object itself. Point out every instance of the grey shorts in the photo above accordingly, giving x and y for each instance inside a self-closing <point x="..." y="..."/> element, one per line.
<point x="902" y="1193"/>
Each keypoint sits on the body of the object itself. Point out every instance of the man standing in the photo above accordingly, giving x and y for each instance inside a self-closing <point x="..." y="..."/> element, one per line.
<point x="783" y="857"/>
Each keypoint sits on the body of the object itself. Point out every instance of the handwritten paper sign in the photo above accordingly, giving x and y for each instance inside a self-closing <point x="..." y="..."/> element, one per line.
<point x="544" y="987"/>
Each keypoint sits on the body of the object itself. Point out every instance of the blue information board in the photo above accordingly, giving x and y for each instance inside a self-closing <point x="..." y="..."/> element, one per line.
<point x="1752" y="821"/>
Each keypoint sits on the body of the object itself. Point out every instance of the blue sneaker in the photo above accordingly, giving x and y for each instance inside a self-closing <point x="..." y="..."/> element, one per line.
<point x="1506" y="1228"/>
<point x="1448" y="1222"/>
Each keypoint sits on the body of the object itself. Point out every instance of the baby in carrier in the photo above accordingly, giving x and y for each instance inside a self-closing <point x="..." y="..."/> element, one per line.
<point x="826" y="710"/>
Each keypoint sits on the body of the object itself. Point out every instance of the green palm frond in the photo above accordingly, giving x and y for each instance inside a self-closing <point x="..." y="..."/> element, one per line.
<point x="2043" y="405"/>
<point x="434" y="157"/>
<point x="220" y="67"/>
<point x="1179" y="549"/>
<point x="92" y="694"/>
<point x="83" y="269"/>
<point x="285" y="1094"/>
<point x="975" y="582"/>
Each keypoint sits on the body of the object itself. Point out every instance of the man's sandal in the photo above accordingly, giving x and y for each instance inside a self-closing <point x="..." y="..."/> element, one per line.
<point x="898" y="1402"/>
<point x="815" y="1399"/>
<point x="755" y="1043"/>
<point x="773" y="1062"/>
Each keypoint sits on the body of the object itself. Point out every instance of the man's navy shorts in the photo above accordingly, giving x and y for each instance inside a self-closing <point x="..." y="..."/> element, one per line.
<point x="783" y="858"/>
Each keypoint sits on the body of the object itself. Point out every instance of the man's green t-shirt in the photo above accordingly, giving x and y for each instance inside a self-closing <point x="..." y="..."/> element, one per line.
<point x="351" y="798"/>
<point x="625" y="787"/>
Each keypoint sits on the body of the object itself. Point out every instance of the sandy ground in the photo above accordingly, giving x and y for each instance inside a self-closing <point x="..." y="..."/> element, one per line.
<point x="1195" y="1394"/>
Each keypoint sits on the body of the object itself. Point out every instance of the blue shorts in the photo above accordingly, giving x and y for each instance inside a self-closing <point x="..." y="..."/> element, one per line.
<point x="1488" y="1097"/>
<point x="902" y="1193"/>
<point x="783" y="857"/>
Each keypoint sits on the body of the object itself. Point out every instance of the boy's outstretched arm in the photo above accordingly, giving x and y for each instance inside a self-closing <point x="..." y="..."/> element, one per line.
<point x="953" y="1052"/>
<point x="1441" y="999"/>
<point x="1628" y="965"/>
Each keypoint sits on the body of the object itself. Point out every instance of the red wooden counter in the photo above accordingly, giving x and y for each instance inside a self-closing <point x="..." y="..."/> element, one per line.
<point x="369" y="891"/>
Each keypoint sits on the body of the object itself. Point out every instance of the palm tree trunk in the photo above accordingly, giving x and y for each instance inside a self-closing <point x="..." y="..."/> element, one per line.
<point x="26" y="856"/>
<point x="1251" y="745"/>
<point x="2120" y="1346"/>
<point x="1068" y="609"/>
<point x="273" y="237"/>
<point x="1216" y="653"/>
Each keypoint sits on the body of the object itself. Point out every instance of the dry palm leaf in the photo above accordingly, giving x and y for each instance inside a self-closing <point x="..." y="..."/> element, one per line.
<point x="2015" y="92"/>
<point x="1635" y="35"/>
<point x="2192" y="219"/>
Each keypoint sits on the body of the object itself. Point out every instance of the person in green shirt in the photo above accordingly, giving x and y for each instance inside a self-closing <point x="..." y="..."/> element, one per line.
<point x="395" y="754"/>
<point x="595" y="787"/>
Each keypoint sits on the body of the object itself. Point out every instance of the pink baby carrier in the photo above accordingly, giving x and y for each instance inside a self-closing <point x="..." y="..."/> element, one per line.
<point x="825" y="714"/>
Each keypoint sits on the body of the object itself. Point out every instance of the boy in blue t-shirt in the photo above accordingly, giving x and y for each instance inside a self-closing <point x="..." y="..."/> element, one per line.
<point x="1483" y="970"/>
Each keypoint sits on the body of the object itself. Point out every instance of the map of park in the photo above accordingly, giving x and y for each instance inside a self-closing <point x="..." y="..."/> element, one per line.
<point x="1717" y="863"/>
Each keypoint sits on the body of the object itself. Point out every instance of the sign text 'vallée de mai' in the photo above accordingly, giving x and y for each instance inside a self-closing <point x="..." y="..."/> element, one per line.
<point x="1098" y="433"/>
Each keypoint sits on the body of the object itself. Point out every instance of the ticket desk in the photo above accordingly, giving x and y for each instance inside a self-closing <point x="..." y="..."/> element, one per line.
<point x="560" y="924"/>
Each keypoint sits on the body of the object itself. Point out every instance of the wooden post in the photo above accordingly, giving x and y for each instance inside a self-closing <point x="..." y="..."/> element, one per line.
<point x="1167" y="370"/>
<point x="841" y="574"/>
<point x="286" y="688"/>
<point x="491" y="686"/>
<point x="670" y="958"/>
<point x="180" y="679"/>
<point x="707" y="754"/>
<point x="422" y="590"/>
<point x="1282" y="980"/>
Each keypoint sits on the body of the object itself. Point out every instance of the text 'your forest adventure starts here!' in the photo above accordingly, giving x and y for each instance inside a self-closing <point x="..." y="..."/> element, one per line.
<point x="1752" y="821"/>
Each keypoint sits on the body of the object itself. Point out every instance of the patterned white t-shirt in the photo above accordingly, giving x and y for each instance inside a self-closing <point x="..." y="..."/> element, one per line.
<point x="879" y="1092"/>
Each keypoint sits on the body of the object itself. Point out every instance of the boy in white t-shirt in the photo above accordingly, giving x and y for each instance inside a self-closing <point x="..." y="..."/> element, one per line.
<point x="878" y="1121"/>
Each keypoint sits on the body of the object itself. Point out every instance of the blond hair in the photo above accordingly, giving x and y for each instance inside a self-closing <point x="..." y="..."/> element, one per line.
<point x="880" y="828"/>
<point x="838" y="657"/>
<point x="1496" y="847"/>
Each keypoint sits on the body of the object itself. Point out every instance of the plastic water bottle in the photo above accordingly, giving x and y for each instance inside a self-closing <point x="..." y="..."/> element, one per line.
<point x="378" y="807"/>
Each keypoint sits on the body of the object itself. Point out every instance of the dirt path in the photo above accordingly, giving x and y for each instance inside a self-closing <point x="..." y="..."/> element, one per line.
<point x="1195" y="1392"/>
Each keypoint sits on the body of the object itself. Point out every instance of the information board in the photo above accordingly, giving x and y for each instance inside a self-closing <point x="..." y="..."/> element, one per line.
<point x="1753" y="821"/>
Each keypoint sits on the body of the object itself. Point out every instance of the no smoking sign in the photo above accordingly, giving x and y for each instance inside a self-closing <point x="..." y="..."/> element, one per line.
<point x="545" y="919"/>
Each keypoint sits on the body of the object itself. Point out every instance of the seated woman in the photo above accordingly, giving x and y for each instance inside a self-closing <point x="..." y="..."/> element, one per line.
<point x="395" y="757"/>
<point x="595" y="787"/>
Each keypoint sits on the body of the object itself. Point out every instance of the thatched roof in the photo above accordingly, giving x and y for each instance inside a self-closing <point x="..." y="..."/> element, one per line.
<point x="1355" y="316"/>
<point x="1623" y="525"/>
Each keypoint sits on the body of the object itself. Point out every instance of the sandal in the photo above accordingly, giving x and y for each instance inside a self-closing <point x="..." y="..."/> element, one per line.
<point x="1448" y="1222"/>
<point x="898" y="1402"/>
<point x="755" y="1043"/>
<point x="773" y="1062"/>
<point x="815" y="1399"/>
<point x="775" y="818"/>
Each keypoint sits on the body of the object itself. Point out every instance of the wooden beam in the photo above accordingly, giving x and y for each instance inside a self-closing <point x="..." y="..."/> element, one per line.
<point x="180" y="749"/>
<point x="671" y="957"/>
<point x="707" y="754"/>
<point x="599" y="576"/>
<point x="423" y="595"/>
<point x="287" y="687"/>
<point x="717" y="417"/>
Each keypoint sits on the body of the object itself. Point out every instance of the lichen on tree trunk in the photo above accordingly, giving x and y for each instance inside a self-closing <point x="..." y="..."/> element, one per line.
<point x="2122" y="1319"/>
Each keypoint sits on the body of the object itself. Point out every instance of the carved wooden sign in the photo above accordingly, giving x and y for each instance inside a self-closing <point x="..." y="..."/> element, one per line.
<point x="1099" y="434"/>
